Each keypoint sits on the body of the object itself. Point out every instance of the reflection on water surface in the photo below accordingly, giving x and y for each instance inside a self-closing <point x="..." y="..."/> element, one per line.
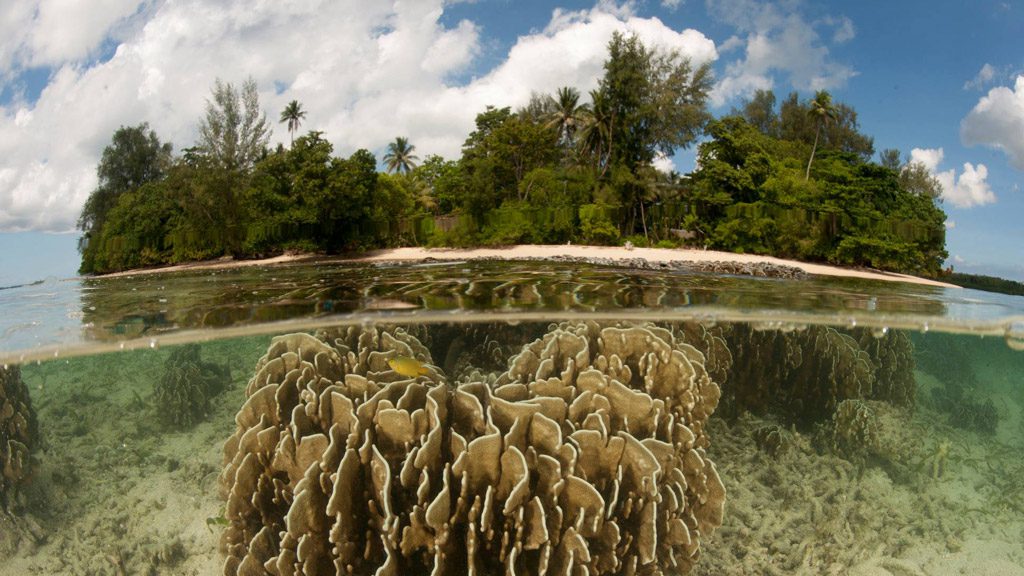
<point x="97" y="314"/>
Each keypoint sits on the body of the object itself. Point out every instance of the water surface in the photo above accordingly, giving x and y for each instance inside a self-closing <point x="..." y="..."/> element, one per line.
<point x="788" y="426"/>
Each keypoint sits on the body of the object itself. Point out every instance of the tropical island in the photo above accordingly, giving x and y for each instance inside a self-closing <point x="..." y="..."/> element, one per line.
<point x="794" y="179"/>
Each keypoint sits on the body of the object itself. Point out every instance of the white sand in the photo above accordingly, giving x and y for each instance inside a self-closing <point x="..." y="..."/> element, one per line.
<point x="531" y="251"/>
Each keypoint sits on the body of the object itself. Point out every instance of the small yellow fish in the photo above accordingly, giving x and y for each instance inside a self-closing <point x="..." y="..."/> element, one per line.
<point x="406" y="366"/>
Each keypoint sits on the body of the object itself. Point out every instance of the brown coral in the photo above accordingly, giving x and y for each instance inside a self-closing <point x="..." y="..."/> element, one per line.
<point x="587" y="456"/>
<point x="802" y="375"/>
<point x="893" y="356"/>
<point x="875" y="432"/>
<point x="182" y="396"/>
<point x="18" y="434"/>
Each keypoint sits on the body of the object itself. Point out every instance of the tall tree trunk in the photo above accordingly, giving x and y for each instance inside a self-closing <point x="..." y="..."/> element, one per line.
<point x="643" y="219"/>
<point x="807" y="176"/>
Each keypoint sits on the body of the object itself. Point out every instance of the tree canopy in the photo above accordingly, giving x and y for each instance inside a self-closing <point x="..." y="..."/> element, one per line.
<point x="400" y="157"/>
<point x="134" y="157"/>
<point x="751" y="194"/>
<point x="234" y="132"/>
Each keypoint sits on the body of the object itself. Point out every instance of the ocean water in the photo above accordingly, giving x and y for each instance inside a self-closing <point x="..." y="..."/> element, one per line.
<point x="488" y="417"/>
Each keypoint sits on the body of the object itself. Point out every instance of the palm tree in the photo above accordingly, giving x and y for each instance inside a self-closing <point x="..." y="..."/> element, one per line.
<point x="400" y="157"/>
<point x="822" y="110"/>
<point x="566" y="113"/>
<point x="596" y="136"/>
<point x="293" y="115"/>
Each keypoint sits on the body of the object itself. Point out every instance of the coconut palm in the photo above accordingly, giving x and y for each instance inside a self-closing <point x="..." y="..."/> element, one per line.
<point x="400" y="157"/>
<point x="293" y="115"/>
<point x="566" y="113"/>
<point x="823" y="111"/>
<point x="596" y="135"/>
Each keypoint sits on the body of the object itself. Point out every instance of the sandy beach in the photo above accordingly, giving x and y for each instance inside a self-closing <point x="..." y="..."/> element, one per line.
<point x="533" y="252"/>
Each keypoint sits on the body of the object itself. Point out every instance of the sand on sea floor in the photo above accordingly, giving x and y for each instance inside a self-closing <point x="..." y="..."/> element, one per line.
<point x="116" y="493"/>
<point x="808" y="511"/>
<point x="531" y="251"/>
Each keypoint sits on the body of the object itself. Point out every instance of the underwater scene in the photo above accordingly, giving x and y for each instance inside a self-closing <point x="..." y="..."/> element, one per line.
<point x="509" y="418"/>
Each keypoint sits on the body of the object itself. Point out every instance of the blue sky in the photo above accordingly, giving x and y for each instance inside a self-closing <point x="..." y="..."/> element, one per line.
<point x="939" y="79"/>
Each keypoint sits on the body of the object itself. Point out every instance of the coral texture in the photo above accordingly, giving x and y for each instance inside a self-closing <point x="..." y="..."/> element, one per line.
<point x="802" y="375"/>
<point x="875" y="432"/>
<point x="182" y="396"/>
<point x="893" y="356"/>
<point x="18" y="434"/>
<point x="585" y="457"/>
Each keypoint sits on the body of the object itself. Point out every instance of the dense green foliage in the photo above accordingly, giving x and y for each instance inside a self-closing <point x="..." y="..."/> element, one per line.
<point x="986" y="283"/>
<point x="796" y="181"/>
<point x="134" y="158"/>
<point x="231" y="196"/>
<point x="751" y="194"/>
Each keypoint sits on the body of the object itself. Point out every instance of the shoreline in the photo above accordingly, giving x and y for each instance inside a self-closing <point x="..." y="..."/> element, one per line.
<point x="612" y="254"/>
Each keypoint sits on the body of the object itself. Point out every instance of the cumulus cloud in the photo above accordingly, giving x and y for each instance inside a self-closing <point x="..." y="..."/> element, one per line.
<point x="365" y="72"/>
<point x="968" y="190"/>
<point x="779" y="41"/>
<point x="52" y="32"/>
<point x="997" y="120"/>
<point x="664" y="164"/>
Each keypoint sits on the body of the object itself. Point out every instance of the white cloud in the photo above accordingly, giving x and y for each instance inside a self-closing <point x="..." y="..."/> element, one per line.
<point x="958" y="259"/>
<point x="778" y="41"/>
<point x="663" y="164"/>
<point x="997" y="120"/>
<point x="950" y="224"/>
<point x="15" y="22"/>
<point x="983" y="77"/>
<point x="68" y="30"/>
<point x="731" y="43"/>
<point x="844" y="29"/>
<point x="44" y="33"/>
<point x="968" y="190"/>
<point x="930" y="157"/>
<point x="671" y="4"/>
<point x="365" y="72"/>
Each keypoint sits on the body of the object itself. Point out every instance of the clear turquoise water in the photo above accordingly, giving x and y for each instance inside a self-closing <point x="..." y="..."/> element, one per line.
<point x="123" y="483"/>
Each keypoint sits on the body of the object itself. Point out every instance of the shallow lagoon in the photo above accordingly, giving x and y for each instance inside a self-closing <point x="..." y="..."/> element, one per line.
<point x="893" y="446"/>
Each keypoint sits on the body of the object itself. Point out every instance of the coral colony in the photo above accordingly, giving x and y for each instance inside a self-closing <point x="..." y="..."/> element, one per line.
<point x="587" y="455"/>
<point x="18" y="435"/>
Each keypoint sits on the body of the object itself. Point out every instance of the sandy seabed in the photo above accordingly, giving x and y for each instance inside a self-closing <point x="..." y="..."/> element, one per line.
<point x="117" y="494"/>
<point x="541" y="252"/>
